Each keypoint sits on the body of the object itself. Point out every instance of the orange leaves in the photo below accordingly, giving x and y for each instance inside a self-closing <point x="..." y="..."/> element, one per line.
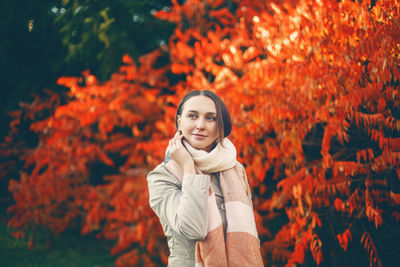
<point x="70" y="82"/>
<point x="316" y="249"/>
<point x="174" y="15"/>
<point x="379" y="137"/>
<point x="338" y="204"/>
<point x="185" y="51"/>
<point x="373" y="215"/>
<point x="371" y="250"/>
<point x="126" y="59"/>
<point x="289" y="182"/>
<point x="164" y="128"/>
<point x="130" y="69"/>
<point x="130" y="258"/>
<point x="348" y="168"/>
<point x="386" y="159"/>
<point x="223" y="15"/>
<point x="107" y="123"/>
<point x="251" y="53"/>
<point x="368" y="119"/>
<point x="312" y="88"/>
<point x="129" y="236"/>
<point x="87" y="162"/>
<point x="395" y="197"/>
<point x="344" y="239"/>
<point x="257" y="168"/>
<point x="308" y="239"/>
<point x="119" y="143"/>
<point x="365" y="154"/>
<point x="299" y="252"/>
<point x="181" y="68"/>
<point x="334" y="186"/>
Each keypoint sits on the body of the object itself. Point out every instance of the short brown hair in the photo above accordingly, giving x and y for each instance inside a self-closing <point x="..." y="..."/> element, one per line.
<point x="224" y="124"/>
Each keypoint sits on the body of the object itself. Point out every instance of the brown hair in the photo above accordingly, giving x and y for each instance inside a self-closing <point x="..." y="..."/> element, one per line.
<point x="224" y="124"/>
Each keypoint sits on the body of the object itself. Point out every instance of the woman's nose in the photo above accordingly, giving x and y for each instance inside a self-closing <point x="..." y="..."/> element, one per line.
<point x="200" y="123"/>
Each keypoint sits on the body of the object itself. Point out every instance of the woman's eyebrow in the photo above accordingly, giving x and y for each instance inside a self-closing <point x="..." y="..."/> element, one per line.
<point x="208" y="113"/>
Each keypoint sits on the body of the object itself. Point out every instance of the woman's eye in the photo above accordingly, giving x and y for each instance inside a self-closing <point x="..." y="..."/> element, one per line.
<point x="211" y="118"/>
<point x="192" y="116"/>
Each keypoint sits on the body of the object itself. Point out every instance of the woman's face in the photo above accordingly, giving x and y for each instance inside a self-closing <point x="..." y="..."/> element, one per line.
<point x="198" y="122"/>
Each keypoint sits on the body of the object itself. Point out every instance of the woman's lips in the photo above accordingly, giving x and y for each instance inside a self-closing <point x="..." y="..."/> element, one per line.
<point x="199" y="136"/>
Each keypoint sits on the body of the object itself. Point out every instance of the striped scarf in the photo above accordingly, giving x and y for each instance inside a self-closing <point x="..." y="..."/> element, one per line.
<point x="241" y="246"/>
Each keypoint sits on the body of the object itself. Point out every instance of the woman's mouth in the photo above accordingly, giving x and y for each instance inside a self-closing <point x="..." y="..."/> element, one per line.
<point x="199" y="136"/>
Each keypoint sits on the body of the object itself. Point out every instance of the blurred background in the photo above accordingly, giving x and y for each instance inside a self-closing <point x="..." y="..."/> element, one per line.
<point x="42" y="41"/>
<point x="45" y="40"/>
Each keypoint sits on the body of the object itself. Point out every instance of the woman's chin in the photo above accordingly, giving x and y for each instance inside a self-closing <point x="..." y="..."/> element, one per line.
<point x="199" y="145"/>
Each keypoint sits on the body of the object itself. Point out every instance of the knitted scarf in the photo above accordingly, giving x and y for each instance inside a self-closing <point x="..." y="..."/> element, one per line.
<point x="241" y="246"/>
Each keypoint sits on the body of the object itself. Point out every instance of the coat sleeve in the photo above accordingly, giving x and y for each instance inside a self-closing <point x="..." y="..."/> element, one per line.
<point x="184" y="208"/>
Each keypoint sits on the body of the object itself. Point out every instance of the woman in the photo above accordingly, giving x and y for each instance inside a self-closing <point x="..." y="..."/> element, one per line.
<point x="200" y="192"/>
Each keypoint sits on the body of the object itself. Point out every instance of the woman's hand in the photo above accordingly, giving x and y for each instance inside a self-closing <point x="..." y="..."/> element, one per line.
<point x="179" y="153"/>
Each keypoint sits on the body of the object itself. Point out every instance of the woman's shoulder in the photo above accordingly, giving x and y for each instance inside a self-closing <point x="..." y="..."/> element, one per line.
<point x="157" y="169"/>
<point x="168" y="171"/>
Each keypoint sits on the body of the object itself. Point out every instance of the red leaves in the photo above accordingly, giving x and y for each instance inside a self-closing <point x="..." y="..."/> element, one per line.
<point x="395" y="197"/>
<point x="130" y="258"/>
<point x="344" y="239"/>
<point x="126" y="59"/>
<point x="347" y="168"/>
<point x="299" y="252"/>
<point x="316" y="249"/>
<point x="251" y="53"/>
<point x="100" y="126"/>
<point x="373" y="214"/>
<point x="338" y="204"/>
<point x="365" y="154"/>
<point x="293" y="75"/>
<point x="181" y="68"/>
<point x="370" y="247"/>
<point x="223" y="15"/>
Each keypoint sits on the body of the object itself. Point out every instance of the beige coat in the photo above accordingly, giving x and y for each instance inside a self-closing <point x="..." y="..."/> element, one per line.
<point x="182" y="210"/>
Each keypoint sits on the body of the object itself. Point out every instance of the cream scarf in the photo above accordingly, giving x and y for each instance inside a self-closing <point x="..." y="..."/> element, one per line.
<point x="221" y="158"/>
<point x="241" y="245"/>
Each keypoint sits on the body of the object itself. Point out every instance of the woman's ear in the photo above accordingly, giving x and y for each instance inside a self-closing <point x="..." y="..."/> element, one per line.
<point x="179" y="122"/>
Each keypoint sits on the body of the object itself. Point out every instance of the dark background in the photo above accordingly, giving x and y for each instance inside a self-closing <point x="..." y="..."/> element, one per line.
<point x="44" y="40"/>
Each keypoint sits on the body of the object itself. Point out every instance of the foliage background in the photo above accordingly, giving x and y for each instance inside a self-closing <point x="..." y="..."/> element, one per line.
<point x="312" y="86"/>
<point x="44" y="40"/>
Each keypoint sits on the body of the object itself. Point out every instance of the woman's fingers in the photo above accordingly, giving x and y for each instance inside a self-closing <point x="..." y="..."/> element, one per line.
<point x="179" y="153"/>
<point x="177" y="138"/>
<point x="175" y="144"/>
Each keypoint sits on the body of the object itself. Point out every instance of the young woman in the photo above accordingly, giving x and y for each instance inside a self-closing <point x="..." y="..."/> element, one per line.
<point x="200" y="192"/>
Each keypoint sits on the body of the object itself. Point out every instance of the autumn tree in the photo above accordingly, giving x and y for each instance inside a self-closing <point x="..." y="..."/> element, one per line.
<point x="313" y="90"/>
<point x="88" y="166"/>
